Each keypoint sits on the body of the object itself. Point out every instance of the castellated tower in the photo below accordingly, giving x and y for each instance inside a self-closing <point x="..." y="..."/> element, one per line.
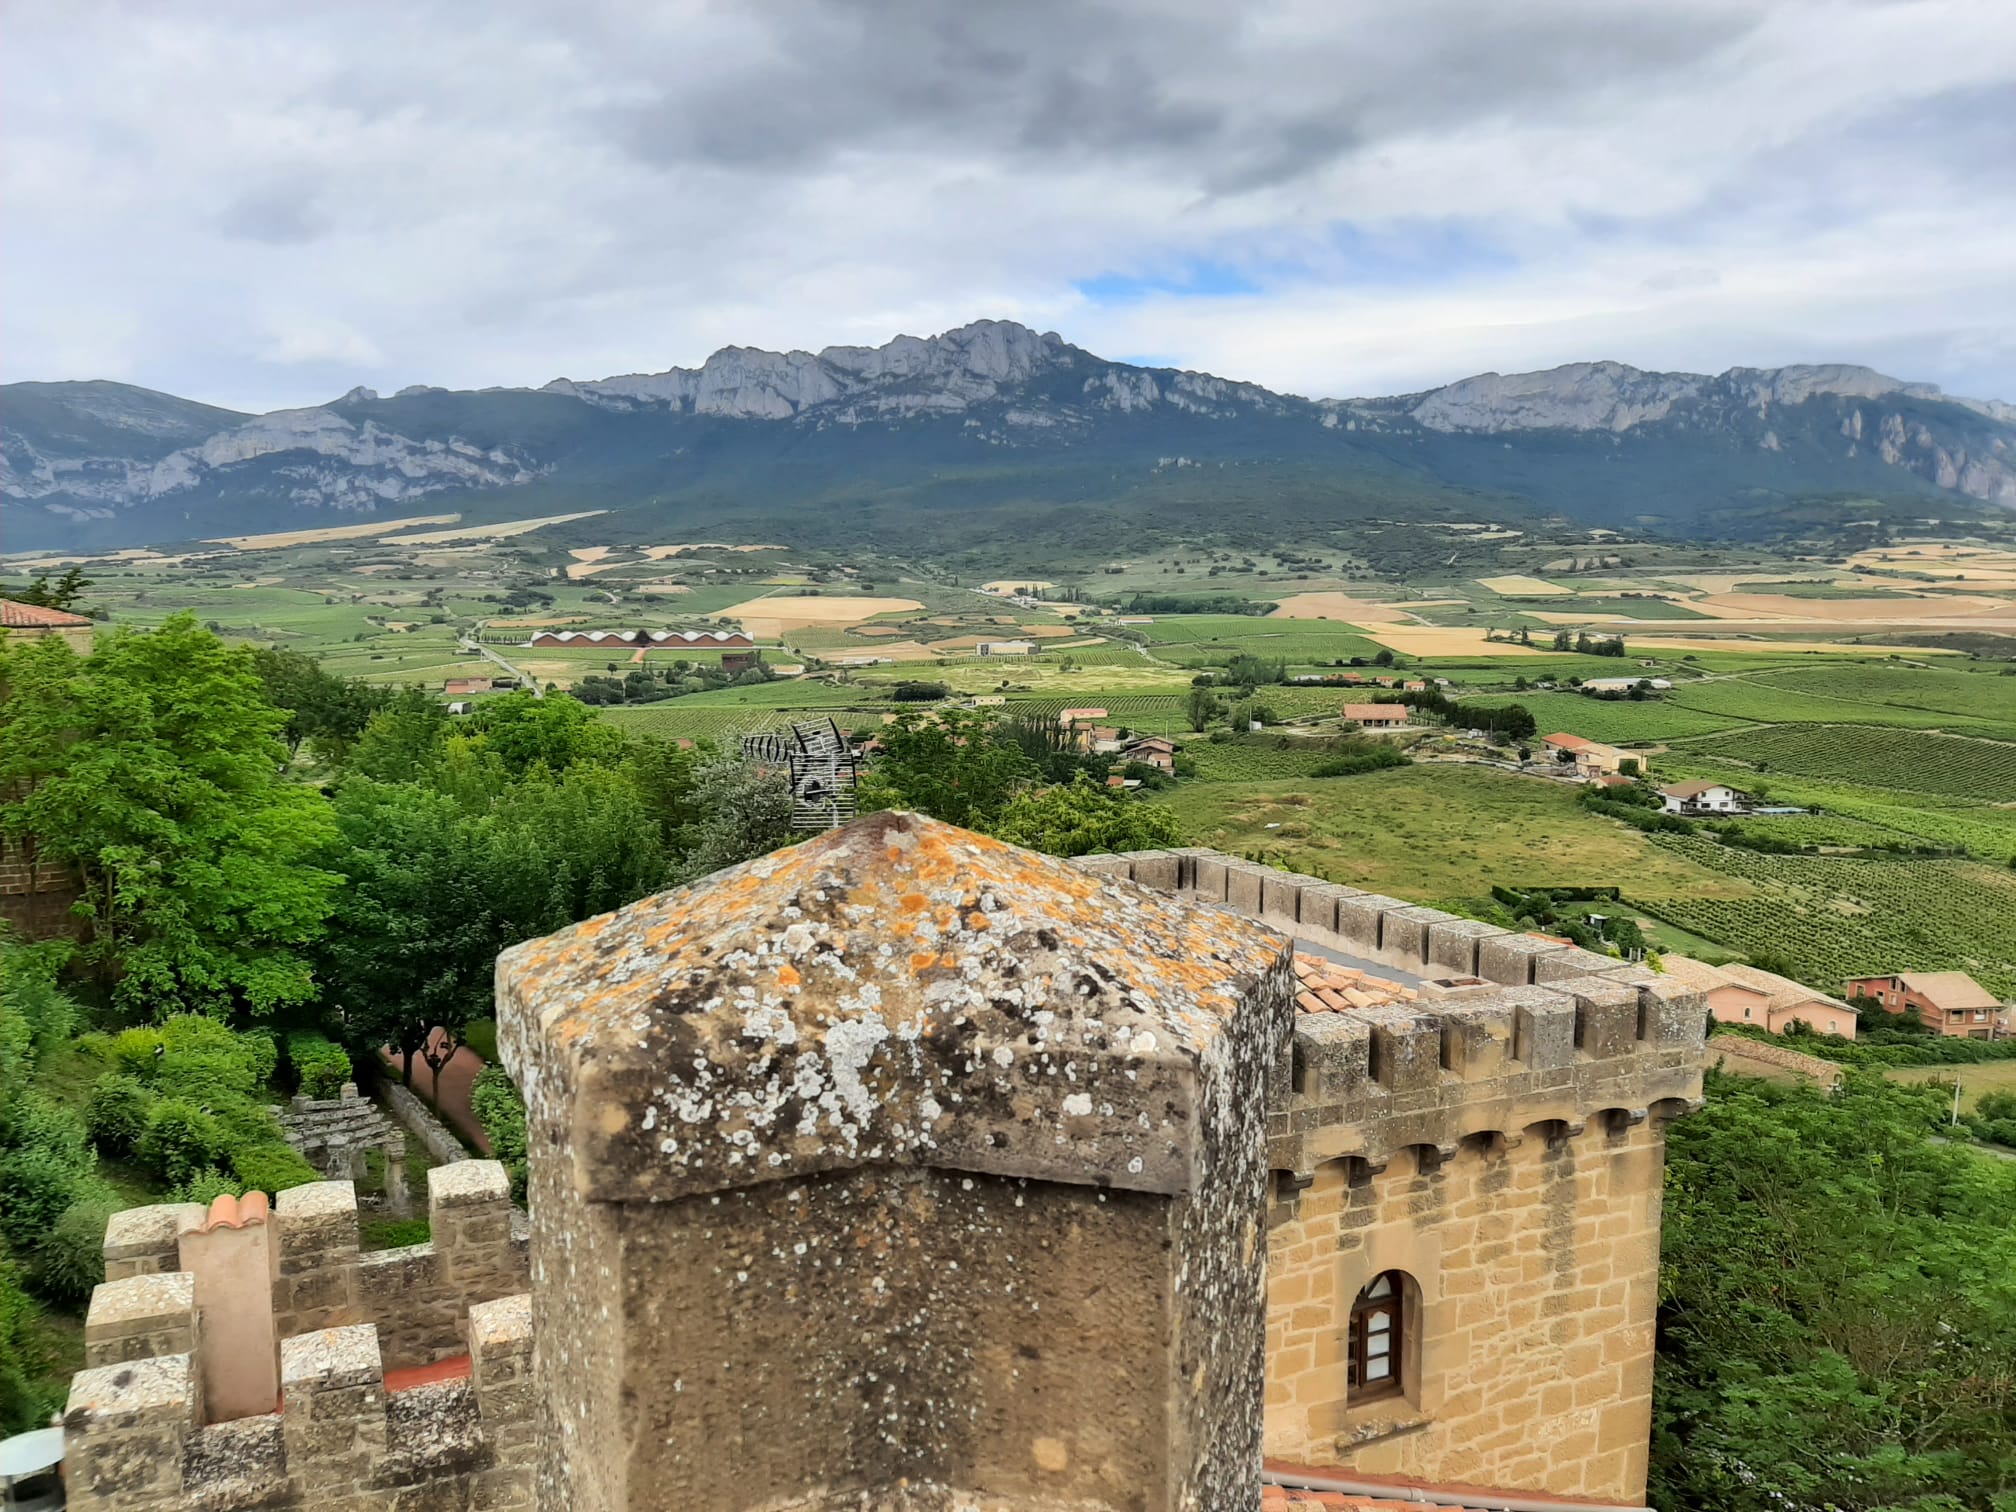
<point x="1467" y="1152"/>
<point x="908" y="1171"/>
<point x="901" y="1169"/>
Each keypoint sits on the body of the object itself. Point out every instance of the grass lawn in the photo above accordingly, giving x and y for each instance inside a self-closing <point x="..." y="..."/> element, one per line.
<point x="1982" y="1076"/>
<point x="1440" y="834"/>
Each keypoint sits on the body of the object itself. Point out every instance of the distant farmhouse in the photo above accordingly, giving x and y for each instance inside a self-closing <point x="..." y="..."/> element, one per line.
<point x="1006" y="648"/>
<point x="1376" y="715"/>
<point x="462" y="687"/>
<point x="20" y="622"/>
<point x="1623" y="684"/>
<point x="1702" y="798"/>
<point x="1950" y="1002"/>
<point x="1590" y="758"/>
<point x="650" y="639"/>
<point x="1739" y="994"/>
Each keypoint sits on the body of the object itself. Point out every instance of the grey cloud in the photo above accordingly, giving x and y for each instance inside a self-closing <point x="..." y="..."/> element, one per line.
<point x="1198" y="89"/>
<point x="279" y="215"/>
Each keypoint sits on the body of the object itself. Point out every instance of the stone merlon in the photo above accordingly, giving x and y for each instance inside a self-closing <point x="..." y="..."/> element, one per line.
<point x="898" y="991"/>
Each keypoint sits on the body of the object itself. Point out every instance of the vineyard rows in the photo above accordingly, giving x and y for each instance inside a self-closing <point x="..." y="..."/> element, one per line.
<point x="1834" y="918"/>
<point x="1951" y="765"/>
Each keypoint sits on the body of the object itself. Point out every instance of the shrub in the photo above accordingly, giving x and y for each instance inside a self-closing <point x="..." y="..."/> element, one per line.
<point x="272" y="1167"/>
<point x="71" y="1259"/>
<point x="25" y="1358"/>
<point x="320" y="1066"/>
<point x="37" y="1184"/>
<point x="501" y="1111"/>
<point x="180" y="1139"/>
<point x="117" y="1115"/>
<point x="205" y="1187"/>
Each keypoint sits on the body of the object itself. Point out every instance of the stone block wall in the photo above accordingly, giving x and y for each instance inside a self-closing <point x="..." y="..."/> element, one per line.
<point x="417" y="1297"/>
<point x="340" y="1443"/>
<point x="1499" y="1141"/>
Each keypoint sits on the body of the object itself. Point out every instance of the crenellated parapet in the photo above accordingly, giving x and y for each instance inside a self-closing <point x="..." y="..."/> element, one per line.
<point x="1506" y="1032"/>
<point x="1467" y="1146"/>
<point x="342" y="1438"/>
<point x="251" y="1356"/>
<point x="321" y="1277"/>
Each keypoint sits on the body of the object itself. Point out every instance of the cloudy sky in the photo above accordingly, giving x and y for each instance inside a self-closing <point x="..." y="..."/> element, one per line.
<point x="260" y="204"/>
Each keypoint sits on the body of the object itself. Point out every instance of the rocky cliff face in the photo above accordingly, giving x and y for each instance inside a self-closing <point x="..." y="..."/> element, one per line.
<point x="1759" y="406"/>
<point x="93" y="452"/>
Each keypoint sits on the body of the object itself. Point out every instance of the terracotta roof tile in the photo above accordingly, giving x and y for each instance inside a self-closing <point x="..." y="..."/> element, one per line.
<point x="15" y="615"/>
<point x="1332" y="987"/>
<point x="1406" y="1493"/>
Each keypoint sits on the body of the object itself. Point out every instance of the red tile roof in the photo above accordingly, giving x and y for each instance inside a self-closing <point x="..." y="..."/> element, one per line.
<point x="1406" y="1493"/>
<point x="1329" y="987"/>
<point x="18" y="616"/>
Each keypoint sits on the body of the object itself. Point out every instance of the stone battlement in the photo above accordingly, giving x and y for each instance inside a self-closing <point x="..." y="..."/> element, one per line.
<point x="340" y="1438"/>
<point x="1506" y="1031"/>
<point x="910" y="1170"/>
<point x="415" y="1296"/>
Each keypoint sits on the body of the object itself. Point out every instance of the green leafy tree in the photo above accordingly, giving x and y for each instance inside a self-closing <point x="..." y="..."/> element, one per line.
<point x="555" y="732"/>
<point x="154" y="768"/>
<point x="62" y="594"/>
<point x="949" y="764"/>
<point x="1084" y="818"/>
<point x="1837" y="1327"/>
<point x="746" y="813"/>
<point x="321" y="708"/>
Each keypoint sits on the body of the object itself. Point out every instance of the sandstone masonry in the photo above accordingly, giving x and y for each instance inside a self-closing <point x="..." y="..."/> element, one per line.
<point x="1498" y="1143"/>
<point x="905" y="1170"/>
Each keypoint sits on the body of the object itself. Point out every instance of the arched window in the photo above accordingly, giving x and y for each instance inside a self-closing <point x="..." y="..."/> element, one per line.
<point x="1373" y="1347"/>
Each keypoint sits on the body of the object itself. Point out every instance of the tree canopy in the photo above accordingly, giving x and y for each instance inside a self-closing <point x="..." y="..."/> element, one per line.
<point x="154" y="767"/>
<point x="1837" y="1307"/>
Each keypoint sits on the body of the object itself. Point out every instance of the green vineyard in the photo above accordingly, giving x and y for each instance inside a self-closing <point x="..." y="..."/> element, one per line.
<point x="1949" y="765"/>
<point x="1834" y="917"/>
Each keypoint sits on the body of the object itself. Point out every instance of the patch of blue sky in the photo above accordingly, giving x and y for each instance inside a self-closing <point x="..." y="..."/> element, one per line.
<point x="1398" y="254"/>
<point x="1190" y="278"/>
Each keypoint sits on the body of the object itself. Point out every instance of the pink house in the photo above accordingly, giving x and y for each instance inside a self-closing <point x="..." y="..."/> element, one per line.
<point x="1739" y="994"/>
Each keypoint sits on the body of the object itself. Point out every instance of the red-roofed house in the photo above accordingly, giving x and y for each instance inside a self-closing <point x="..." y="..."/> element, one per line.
<point x="1950" y="1002"/>
<point x="1377" y="715"/>
<point x="19" y="621"/>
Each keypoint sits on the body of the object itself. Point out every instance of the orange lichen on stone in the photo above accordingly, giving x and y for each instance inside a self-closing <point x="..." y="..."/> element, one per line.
<point x="898" y="989"/>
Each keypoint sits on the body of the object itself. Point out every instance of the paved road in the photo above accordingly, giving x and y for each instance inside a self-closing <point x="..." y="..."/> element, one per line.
<point x="484" y="651"/>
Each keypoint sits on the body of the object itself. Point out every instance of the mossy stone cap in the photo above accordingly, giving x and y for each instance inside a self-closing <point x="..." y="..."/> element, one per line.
<point x="899" y="990"/>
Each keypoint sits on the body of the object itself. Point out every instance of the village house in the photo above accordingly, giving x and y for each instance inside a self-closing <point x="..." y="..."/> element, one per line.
<point x="21" y="622"/>
<point x="1702" y="798"/>
<point x="1624" y="684"/>
<point x="1590" y="758"/>
<point x="462" y="687"/>
<point x="737" y="662"/>
<point x="1152" y="750"/>
<point x="1377" y="716"/>
<point x="1741" y="994"/>
<point x="1072" y="717"/>
<point x="1949" y="1002"/>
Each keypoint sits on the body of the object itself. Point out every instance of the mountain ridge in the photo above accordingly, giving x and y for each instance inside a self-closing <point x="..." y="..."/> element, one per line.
<point x="98" y="459"/>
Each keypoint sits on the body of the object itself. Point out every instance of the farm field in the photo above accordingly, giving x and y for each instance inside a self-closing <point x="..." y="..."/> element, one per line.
<point x="1975" y="1080"/>
<point x="1834" y="917"/>
<point x="1440" y="834"/>
<point x="1946" y="765"/>
<point x="1617" y="721"/>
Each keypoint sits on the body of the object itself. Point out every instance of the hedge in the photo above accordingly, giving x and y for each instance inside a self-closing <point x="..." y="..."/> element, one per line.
<point x="320" y="1065"/>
